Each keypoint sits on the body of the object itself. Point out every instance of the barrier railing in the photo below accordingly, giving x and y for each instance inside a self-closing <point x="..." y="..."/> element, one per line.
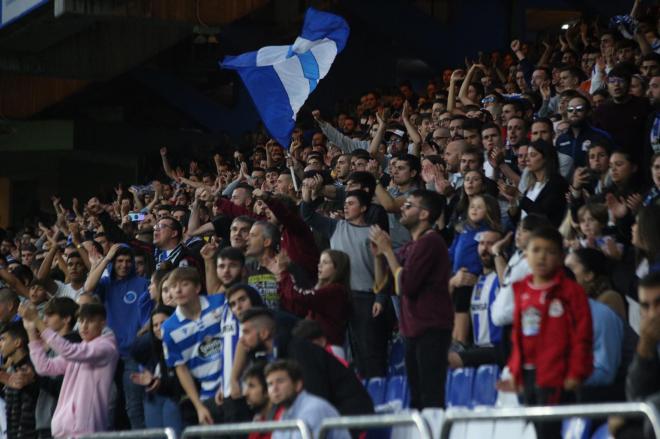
<point x="152" y="433"/>
<point x="629" y="409"/>
<point x="376" y="421"/>
<point x="247" y="427"/>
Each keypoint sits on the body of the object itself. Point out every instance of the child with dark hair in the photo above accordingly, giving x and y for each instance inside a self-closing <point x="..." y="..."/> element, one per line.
<point x="162" y="388"/>
<point x="60" y="316"/>
<point x="552" y="335"/>
<point x="21" y="389"/>
<point x="88" y="368"/>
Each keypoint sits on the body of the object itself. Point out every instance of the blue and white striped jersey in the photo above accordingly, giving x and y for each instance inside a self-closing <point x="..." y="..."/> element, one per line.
<point x="485" y="332"/>
<point x="198" y="343"/>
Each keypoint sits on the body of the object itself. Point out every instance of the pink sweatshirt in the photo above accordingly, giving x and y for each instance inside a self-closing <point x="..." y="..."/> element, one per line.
<point x="88" y="370"/>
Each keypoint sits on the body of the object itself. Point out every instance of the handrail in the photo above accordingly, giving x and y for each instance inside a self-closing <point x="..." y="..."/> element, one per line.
<point x="626" y="409"/>
<point x="247" y="427"/>
<point x="151" y="433"/>
<point x="413" y="418"/>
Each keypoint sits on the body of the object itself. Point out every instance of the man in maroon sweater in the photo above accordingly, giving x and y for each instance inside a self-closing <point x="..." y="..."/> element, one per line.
<point x="420" y="272"/>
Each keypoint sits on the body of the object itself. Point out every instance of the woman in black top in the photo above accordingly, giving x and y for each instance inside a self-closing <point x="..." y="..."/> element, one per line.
<point x="544" y="189"/>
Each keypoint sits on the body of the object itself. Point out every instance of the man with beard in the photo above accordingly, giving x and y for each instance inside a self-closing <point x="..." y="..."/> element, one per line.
<point x="653" y="126"/>
<point x="419" y="272"/>
<point x="486" y="335"/>
<point x="286" y="389"/>
<point x="576" y="141"/>
<point x="624" y="116"/>
<point x="228" y="270"/>
<point x="323" y="374"/>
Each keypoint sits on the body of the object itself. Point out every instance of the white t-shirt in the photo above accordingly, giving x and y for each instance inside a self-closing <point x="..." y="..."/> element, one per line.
<point x="66" y="290"/>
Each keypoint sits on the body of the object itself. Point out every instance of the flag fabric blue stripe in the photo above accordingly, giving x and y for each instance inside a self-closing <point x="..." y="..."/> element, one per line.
<point x="317" y="24"/>
<point x="281" y="78"/>
<point x="310" y="69"/>
<point x="271" y="100"/>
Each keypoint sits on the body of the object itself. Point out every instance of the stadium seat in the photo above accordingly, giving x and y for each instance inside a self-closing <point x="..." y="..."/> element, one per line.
<point x="576" y="428"/>
<point x="376" y="388"/>
<point x="601" y="432"/>
<point x="460" y="389"/>
<point x="484" y="391"/>
<point x="397" y="390"/>
<point x="511" y="429"/>
<point x="397" y="363"/>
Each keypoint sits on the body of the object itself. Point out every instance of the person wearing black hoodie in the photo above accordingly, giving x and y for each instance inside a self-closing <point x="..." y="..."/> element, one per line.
<point x="162" y="389"/>
<point x="323" y="374"/>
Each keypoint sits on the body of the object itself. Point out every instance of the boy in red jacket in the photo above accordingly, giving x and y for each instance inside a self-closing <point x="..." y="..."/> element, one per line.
<point x="552" y="340"/>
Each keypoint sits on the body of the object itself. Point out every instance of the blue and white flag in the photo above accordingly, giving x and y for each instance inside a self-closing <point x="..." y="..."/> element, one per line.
<point x="281" y="78"/>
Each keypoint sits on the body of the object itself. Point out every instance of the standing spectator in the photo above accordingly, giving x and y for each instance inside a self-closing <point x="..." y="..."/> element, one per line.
<point x="544" y="188"/>
<point x="483" y="214"/>
<point x="255" y="391"/>
<point x="324" y="375"/>
<point x="420" y="272"/>
<point x="576" y="141"/>
<point x="168" y="239"/>
<point x="351" y="235"/>
<point x="163" y="392"/>
<point x="487" y="337"/>
<point x="120" y="289"/>
<point x="286" y="387"/>
<point x="59" y="316"/>
<point x="22" y="389"/>
<point x="262" y="247"/>
<point x="552" y="337"/>
<point x="196" y="322"/>
<point x="643" y="381"/>
<point x="328" y="302"/>
<point x="624" y="116"/>
<point x="86" y="365"/>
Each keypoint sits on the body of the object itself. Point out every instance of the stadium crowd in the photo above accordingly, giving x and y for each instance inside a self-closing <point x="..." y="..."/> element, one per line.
<point x="506" y="214"/>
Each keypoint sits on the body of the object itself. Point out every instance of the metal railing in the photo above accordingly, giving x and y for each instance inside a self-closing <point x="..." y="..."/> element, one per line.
<point x="247" y="427"/>
<point x="376" y="421"/>
<point x="629" y="409"/>
<point x="152" y="433"/>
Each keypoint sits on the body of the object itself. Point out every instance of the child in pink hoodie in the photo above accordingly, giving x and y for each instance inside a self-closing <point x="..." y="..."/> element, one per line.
<point x="88" y="368"/>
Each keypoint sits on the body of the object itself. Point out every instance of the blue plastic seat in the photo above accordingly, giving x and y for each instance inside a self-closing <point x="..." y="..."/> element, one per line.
<point x="601" y="432"/>
<point x="460" y="392"/>
<point x="376" y="388"/>
<point x="397" y="390"/>
<point x="576" y="428"/>
<point x="483" y="390"/>
<point x="397" y="363"/>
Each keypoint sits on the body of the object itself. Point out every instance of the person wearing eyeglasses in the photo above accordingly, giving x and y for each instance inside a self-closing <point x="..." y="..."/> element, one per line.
<point x="624" y="116"/>
<point x="576" y="141"/>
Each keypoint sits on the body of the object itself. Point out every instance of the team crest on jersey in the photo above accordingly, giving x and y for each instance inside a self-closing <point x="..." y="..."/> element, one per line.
<point x="556" y="308"/>
<point x="210" y="346"/>
<point x="130" y="297"/>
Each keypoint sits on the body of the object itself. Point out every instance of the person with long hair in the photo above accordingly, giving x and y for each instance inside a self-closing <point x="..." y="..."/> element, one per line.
<point x="483" y="214"/>
<point x="543" y="189"/>
<point x="162" y="388"/>
<point x="328" y="302"/>
<point x="591" y="269"/>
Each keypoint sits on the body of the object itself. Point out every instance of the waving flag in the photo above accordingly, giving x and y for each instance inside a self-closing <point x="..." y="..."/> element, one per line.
<point x="280" y="78"/>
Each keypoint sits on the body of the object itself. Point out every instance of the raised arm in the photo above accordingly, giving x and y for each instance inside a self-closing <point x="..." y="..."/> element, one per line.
<point x="378" y="137"/>
<point x="462" y="93"/>
<point x="208" y="252"/>
<point x="411" y="129"/>
<point x="166" y="163"/>
<point x="456" y="76"/>
<point x="95" y="274"/>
